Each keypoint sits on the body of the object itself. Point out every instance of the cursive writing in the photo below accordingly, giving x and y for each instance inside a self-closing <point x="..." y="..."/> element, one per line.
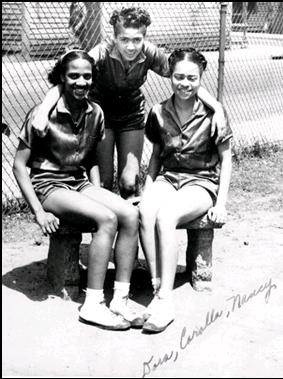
<point x="211" y="317"/>
<point x="239" y="300"/>
<point x="151" y="366"/>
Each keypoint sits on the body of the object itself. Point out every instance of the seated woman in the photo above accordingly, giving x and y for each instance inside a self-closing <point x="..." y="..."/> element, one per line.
<point x="64" y="184"/>
<point x="122" y="65"/>
<point x="195" y="177"/>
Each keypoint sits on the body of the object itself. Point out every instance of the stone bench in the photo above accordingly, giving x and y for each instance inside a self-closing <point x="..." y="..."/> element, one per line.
<point x="64" y="270"/>
<point x="199" y="251"/>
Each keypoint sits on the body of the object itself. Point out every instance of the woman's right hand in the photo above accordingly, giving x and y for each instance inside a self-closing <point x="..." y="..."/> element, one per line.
<point x="47" y="221"/>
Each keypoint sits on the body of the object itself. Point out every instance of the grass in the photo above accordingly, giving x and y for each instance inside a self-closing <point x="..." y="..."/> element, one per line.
<point x="257" y="180"/>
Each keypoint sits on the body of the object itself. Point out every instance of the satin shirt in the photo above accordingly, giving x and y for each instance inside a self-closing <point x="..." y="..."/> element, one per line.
<point x="67" y="146"/>
<point x="187" y="148"/>
<point x="117" y="89"/>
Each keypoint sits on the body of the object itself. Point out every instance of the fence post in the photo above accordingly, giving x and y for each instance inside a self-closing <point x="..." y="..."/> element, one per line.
<point x="26" y="32"/>
<point x="221" y="58"/>
<point x="245" y="23"/>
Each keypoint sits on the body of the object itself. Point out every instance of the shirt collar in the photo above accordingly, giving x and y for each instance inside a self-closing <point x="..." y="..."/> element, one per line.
<point x="199" y="108"/>
<point x="62" y="108"/>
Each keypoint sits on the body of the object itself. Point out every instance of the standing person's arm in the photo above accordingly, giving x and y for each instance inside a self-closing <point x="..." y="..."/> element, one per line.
<point x="218" y="120"/>
<point x="46" y="220"/>
<point x="218" y="212"/>
<point x="40" y="120"/>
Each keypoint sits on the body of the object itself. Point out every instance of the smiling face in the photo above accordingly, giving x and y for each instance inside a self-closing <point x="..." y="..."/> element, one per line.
<point x="129" y="41"/>
<point x="77" y="79"/>
<point x="185" y="79"/>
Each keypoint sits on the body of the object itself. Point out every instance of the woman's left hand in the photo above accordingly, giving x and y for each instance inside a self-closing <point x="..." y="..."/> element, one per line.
<point x="218" y="121"/>
<point x="217" y="214"/>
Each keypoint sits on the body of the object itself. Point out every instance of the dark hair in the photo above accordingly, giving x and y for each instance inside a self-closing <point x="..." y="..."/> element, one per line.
<point x="134" y="17"/>
<point x="60" y="67"/>
<point x="191" y="55"/>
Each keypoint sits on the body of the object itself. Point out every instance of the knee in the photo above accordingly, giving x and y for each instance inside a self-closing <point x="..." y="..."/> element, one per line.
<point x="108" y="224"/>
<point x="131" y="218"/>
<point x="128" y="186"/>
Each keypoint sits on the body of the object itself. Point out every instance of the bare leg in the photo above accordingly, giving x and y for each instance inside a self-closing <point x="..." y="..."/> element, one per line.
<point x="105" y="156"/>
<point x="127" y="239"/>
<point x="64" y="204"/>
<point x="185" y="205"/>
<point x="129" y="150"/>
<point x="158" y="194"/>
<point x="188" y="203"/>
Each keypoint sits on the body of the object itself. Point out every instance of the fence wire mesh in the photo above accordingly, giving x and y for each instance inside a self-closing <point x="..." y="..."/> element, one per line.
<point x="34" y="34"/>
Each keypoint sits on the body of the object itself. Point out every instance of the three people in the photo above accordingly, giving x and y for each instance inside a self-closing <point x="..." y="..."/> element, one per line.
<point x="68" y="143"/>
<point x="64" y="184"/>
<point x="188" y="175"/>
<point x="121" y="68"/>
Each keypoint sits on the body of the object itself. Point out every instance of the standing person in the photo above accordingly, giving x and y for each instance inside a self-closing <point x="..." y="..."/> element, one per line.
<point x="189" y="174"/>
<point x="121" y="69"/>
<point x="64" y="184"/>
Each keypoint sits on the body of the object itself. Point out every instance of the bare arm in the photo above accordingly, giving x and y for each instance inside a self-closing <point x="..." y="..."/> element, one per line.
<point x="40" y="120"/>
<point x="94" y="176"/>
<point x="153" y="167"/>
<point x="218" y="212"/>
<point x="47" y="221"/>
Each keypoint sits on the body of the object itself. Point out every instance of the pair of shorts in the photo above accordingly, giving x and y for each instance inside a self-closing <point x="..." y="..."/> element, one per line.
<point x="46" y="182"/>
<point x="180" y="179"/>
<point x="125" y="125"/>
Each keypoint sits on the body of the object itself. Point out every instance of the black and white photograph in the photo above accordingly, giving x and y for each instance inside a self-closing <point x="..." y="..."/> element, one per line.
<point x="142" y="189"/>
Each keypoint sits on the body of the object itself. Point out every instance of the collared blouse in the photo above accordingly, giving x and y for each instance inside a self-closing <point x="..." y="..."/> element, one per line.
<point x="68" y="146"/>
<point x="116" y="88"/>
<point x="187" y="148"/>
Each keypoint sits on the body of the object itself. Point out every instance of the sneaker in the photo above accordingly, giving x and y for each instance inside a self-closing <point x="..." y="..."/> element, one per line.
<point x="150" y="308"/>
<point x="101" y="316"/>
<point x="121" y="307"/>
<point x="163" y="315"/>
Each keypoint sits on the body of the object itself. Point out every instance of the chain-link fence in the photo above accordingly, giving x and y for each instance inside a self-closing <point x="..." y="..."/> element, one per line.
<point x="34" y="34"/>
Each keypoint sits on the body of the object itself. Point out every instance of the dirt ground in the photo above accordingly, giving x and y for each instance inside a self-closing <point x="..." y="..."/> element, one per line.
<point x="235" y="331"/>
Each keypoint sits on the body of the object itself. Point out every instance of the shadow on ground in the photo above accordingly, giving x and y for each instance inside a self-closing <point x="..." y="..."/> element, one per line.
<point x="32" y="282"/>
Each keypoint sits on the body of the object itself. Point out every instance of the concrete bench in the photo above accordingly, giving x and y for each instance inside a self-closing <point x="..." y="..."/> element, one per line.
<point x="199" y="251"/>
<point x="64" y="270"/>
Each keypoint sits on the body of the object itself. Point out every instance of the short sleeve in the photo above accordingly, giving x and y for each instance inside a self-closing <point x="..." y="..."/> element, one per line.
<point x="27" y="134"/>
<point x="152" y="127"/>
<point x="225" y="133"/>
<point x="158" y="60"/>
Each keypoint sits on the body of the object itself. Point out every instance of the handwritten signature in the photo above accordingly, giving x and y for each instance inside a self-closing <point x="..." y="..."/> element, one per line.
<point x="234" y="302"/>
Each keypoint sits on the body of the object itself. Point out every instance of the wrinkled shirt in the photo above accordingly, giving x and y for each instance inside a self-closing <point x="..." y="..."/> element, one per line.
<point x="67" y="146"/>
<point x="117" y="89"/>
<point x="187" y="148"/>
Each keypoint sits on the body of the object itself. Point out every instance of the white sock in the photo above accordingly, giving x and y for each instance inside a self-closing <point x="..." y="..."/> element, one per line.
<point x="121" y="289"/>
<point x="155" y="284"/>
<point x="93" y="296"/>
